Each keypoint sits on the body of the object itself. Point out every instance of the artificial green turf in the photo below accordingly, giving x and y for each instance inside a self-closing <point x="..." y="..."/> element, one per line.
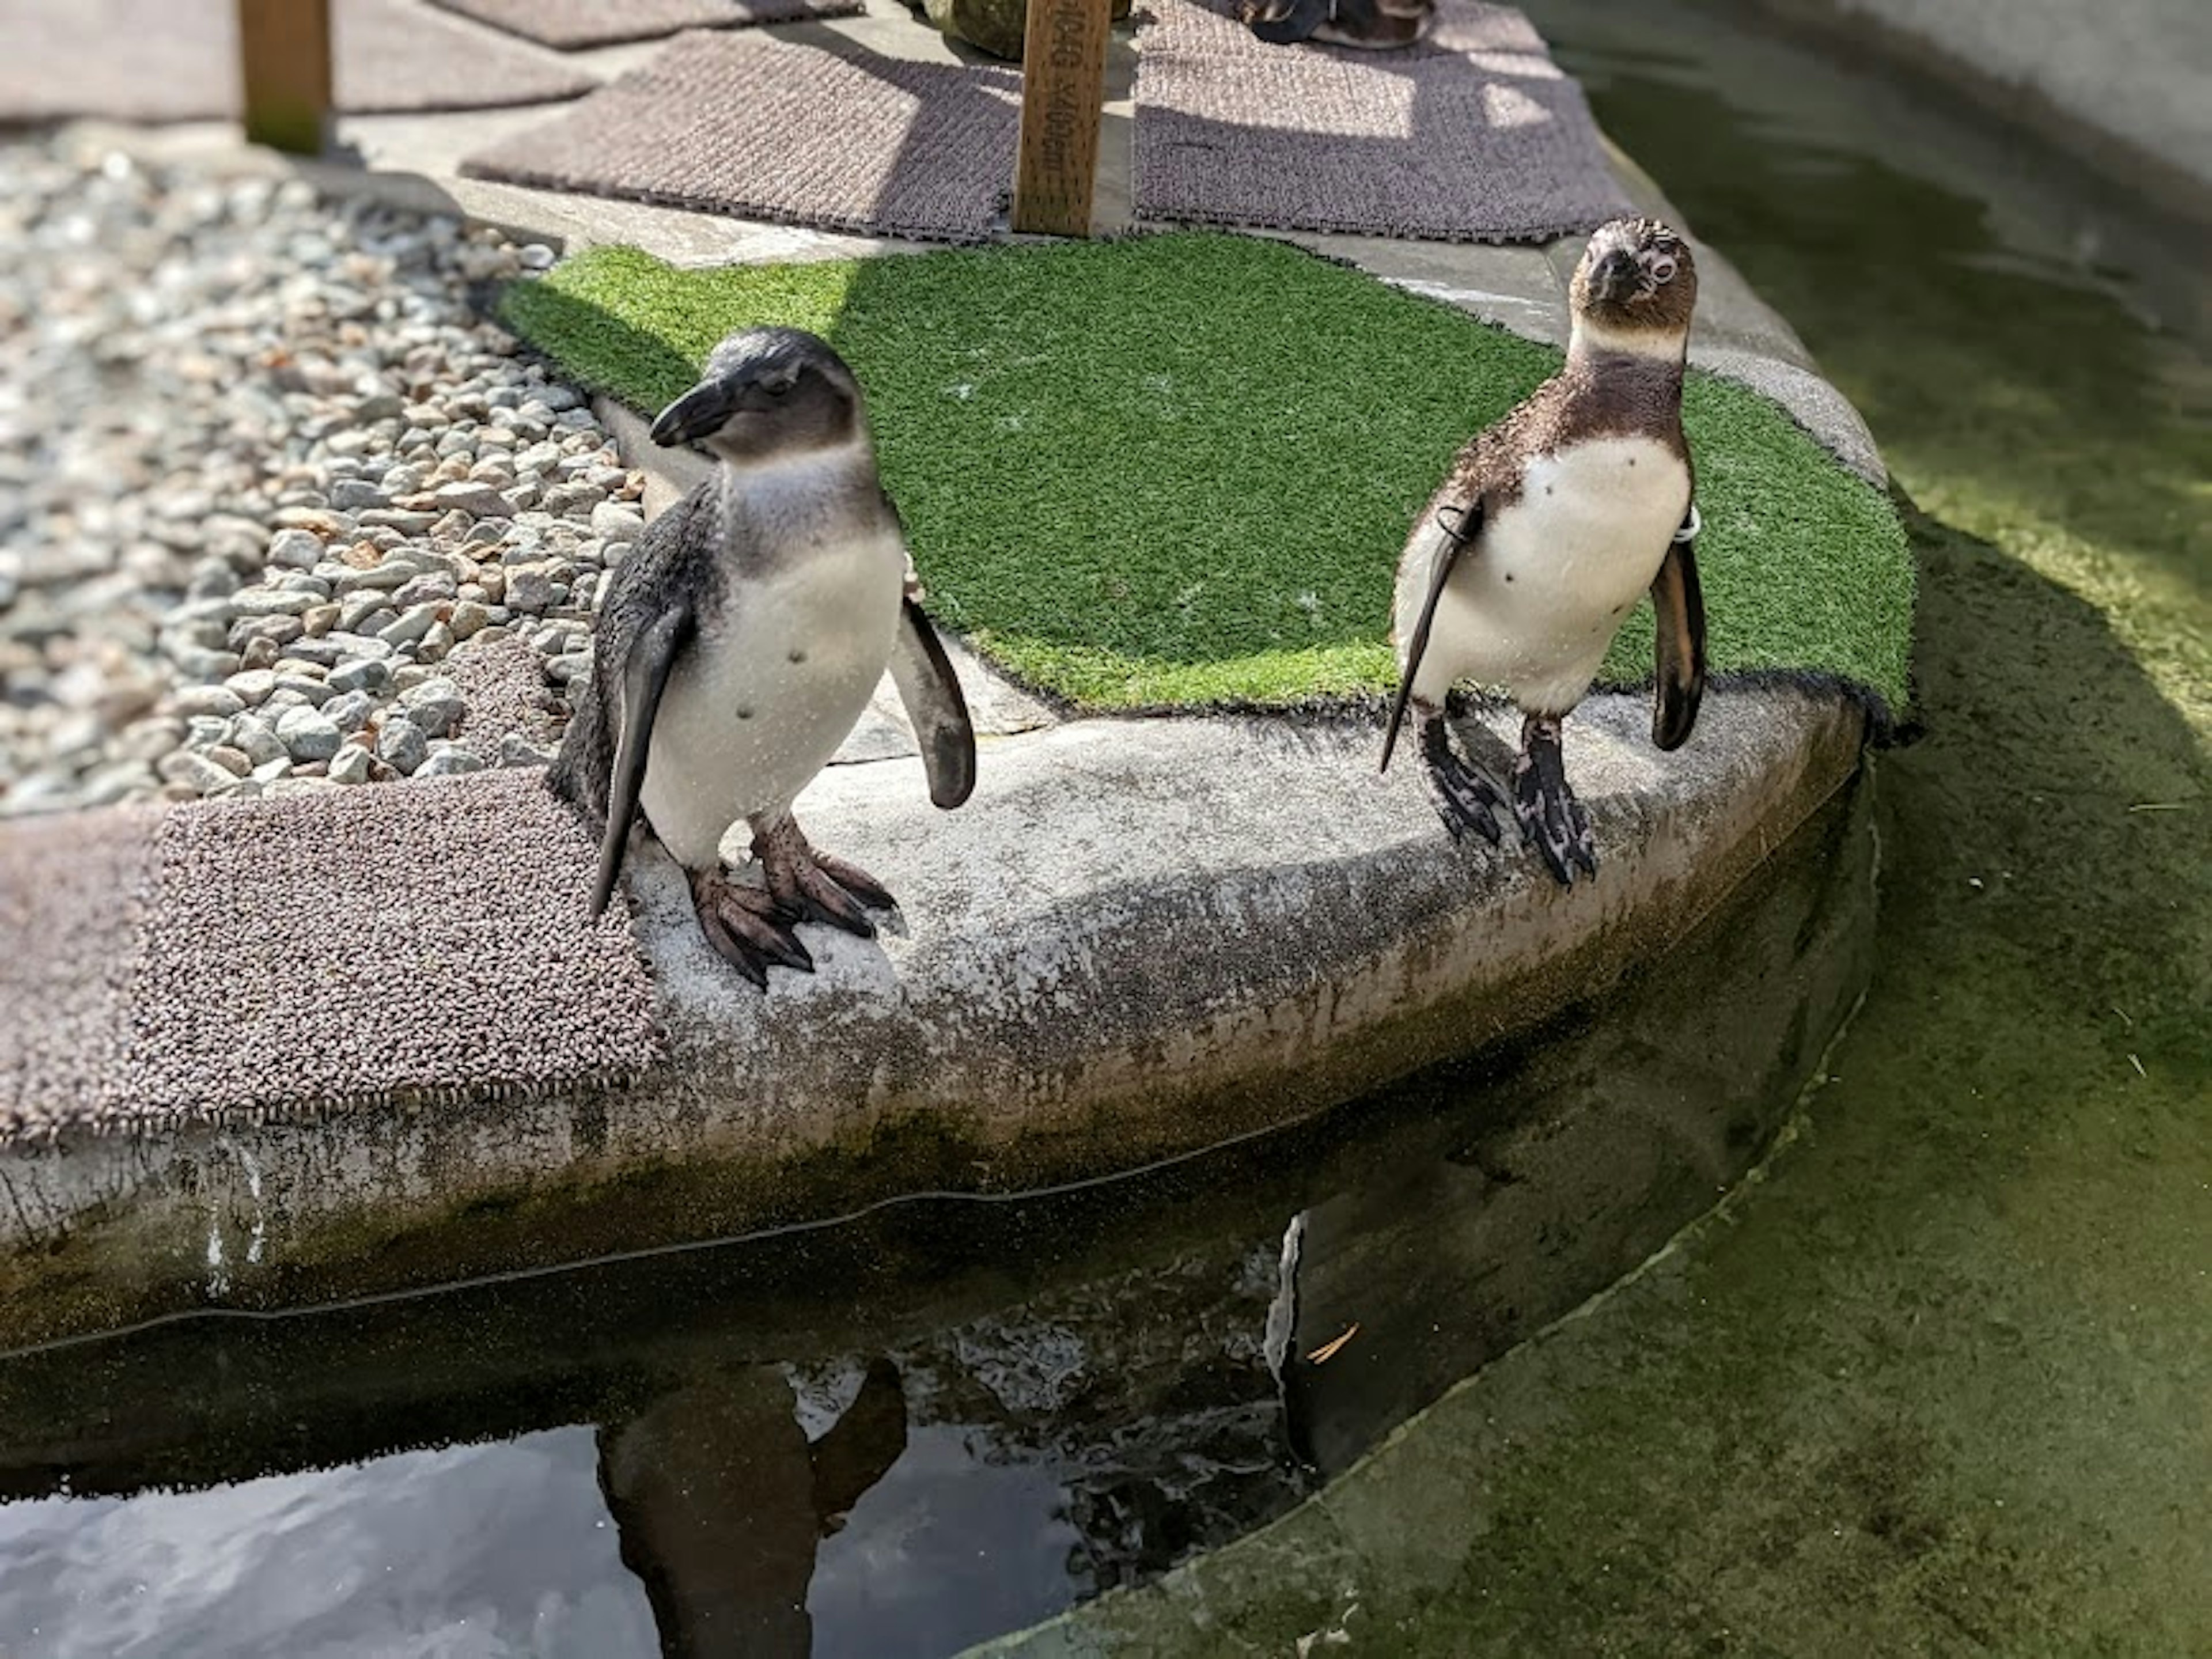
<point x="1179" y="469"/>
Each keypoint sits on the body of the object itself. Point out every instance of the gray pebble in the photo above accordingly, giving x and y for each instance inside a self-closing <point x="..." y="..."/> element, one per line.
<point x="256" y="740"/>
<point x="409" y="625"/>
<point x="435" y="705"/>
<point x="201" y="775"/>
<point x="400" y="743"/>
<point x="296" y="549"/>
<point x="350" y="765"/>
<point x="349" y="710"/>
<point x="307" y="734"/>
<point x="361" y="674"/>
<point x="206" y="700"/>
<point x="449" y="760"/>
<point x="614" y="522"/>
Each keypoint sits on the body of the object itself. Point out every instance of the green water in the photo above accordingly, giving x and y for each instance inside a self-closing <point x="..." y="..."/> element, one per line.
<point x="1942" y="1382"/>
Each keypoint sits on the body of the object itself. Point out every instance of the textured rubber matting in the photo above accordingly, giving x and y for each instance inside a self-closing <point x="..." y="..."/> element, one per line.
<point x="257" y="960"/>
<point x="745" y="126"/>
<point x="569" y="24"/>
<point x="177" y="60"/>
<point x="1474" y="134"/>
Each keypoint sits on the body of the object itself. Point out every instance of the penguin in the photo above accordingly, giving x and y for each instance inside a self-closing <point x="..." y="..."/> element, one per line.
<point x="1368" y="25"/>
<point x="1552" y="521"/>
<point x="739" y="643"/>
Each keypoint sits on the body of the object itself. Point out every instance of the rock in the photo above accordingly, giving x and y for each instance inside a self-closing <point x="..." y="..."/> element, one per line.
<point x="400" y="744"/>
<point x="350" y="765"/>
<point x="218" y="700"/>
<point x="296" y="549"/>
<point x="530" y="587"/>
<point x="349" y="710"/>
<point x="361" y="674"/>
<point x="575" y="665"/>
<point x="199" y="664"/>
<point x="516" y="749"/>
<point x="195" y="772"/>
<point x="428" y="588"/>
<point x="318" y="620"/>
<point x="436" y="706"/>
<point x="251" y="685"/>
<point x="272" y="601"/>
<point x="411" y="625"/>
<point x="478" y="500"/>
<point x="613" y="522"/>
<point x="231" y="760"/>
<point x="353" y="495"/>
<point x="307" y="734"/>
<point x="467" y="619"/>
<point x="449" y="760"/>
<point x="256" y="739"/>
<point x="306" y="687"/>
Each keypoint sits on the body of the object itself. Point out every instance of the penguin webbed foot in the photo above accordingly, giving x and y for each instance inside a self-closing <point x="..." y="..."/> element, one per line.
<point x="747" y="926"/>
<point x="818" y="886"/>
<point x="1467" y="801"/>
<point x="1551" y="817"/>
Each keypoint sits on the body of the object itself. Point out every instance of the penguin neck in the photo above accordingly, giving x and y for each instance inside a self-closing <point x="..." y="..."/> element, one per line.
<point x="1593" y="344"/>
<point x="795" y="497"/>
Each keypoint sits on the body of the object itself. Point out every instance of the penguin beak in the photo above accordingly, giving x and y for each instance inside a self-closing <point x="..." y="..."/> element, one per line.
<point x="1618" y="274"/>
<point x="699" y="413"/>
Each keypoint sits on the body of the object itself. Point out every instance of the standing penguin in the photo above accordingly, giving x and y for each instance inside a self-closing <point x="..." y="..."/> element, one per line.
<point x="1552" y="522"/>
<point x="740" y="641"/>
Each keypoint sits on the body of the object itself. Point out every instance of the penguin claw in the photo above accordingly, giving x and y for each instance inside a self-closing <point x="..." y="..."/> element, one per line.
<point x="1551" y="818"/>
<point x="815" y="887"/>
<point x="856" y="881"/>
<point x="747" y="927"/>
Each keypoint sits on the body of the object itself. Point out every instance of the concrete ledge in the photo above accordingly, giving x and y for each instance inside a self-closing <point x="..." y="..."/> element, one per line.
<point x="1140" y="938"/>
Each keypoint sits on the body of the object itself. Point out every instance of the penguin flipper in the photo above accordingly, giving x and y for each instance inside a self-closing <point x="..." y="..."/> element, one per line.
<point x="1457" y="539"/>
<point x="931" y="691"/>
<point x="1680" y="606"/>
<point x="646" y="667"/>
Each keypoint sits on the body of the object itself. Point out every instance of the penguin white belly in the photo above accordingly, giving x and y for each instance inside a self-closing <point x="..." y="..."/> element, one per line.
<point x="1555" y="572"/>
<point x="761" y="700"/>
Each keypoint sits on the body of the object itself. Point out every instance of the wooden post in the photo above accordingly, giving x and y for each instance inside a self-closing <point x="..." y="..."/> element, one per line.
<point x="1063" y="91"/>
<point x="284" y="63"/>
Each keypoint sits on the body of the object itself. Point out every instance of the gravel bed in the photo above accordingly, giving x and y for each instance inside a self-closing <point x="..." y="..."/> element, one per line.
<point x="280" y="511"/>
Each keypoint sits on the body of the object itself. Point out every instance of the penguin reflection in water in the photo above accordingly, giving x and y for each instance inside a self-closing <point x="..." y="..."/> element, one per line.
<point x="740" y="642"/>
<point x="1552" y="522"/>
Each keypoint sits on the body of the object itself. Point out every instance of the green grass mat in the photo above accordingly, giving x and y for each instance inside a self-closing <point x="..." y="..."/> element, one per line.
<point x="1179" y="469"/>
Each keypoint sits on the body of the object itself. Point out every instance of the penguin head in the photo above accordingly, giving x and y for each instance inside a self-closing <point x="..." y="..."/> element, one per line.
<point x="768" y="394"/>
<point x="1636" y="286"/>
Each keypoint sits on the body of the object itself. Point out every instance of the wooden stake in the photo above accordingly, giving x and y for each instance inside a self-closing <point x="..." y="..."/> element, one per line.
<point x="284" y="63"/>
<point x="1063" y="92"/>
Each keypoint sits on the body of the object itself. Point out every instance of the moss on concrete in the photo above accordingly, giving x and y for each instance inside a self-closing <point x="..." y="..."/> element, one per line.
<point x="1178" y="469"/>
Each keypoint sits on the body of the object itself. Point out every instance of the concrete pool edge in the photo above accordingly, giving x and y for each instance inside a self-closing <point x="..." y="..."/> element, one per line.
<point x="1145" y="995"/>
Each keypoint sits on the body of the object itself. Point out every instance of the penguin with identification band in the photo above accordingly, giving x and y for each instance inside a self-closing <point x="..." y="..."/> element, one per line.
<point x="1551" y="525"/>
<point x="739" y="643"/>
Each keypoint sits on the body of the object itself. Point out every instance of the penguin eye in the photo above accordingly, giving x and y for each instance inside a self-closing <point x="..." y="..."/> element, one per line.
<point x="1662" y="269"/>
<point x="778" y="385"/>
